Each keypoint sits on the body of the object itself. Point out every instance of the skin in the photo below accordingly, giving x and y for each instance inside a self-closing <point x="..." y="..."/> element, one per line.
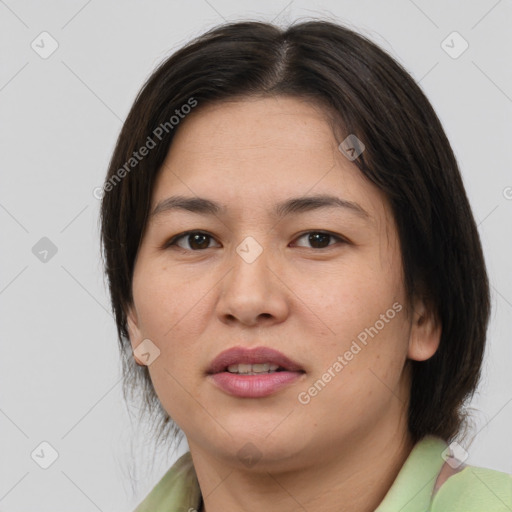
<point x="342" y="450"/>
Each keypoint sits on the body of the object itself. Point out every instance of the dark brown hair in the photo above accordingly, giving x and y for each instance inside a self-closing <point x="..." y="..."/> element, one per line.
<point x="407" y="156"/>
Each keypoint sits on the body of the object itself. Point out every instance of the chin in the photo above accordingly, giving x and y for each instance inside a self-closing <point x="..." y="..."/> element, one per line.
<point x="258" y="450"/>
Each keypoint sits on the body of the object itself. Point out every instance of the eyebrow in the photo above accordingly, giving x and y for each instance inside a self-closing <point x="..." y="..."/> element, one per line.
<point x="294" y="205"/>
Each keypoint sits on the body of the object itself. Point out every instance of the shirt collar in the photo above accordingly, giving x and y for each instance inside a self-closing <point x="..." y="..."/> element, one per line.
<point x="411" y="490"/>
<point x="413" y="487"/>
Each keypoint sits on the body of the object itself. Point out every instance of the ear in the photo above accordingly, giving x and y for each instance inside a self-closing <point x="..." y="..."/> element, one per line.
<point x="134" y="331"/>
<point x="425" y="334"/>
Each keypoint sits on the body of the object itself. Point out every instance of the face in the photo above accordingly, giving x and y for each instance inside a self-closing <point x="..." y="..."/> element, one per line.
<point x="319" y="281"/>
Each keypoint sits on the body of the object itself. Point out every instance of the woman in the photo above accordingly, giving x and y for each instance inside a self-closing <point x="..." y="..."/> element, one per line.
<point x="294" y="263"/>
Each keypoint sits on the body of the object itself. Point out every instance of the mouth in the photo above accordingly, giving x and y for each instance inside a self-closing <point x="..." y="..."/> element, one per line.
<point x="257" y="360"/>
<point x="253" y="373"/>
<point x="254" y="369"/>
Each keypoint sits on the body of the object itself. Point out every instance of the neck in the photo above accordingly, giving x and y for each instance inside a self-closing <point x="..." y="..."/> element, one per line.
<point x="354" y="477"/>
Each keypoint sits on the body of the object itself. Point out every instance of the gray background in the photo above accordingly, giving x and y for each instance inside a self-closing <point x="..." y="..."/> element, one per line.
<point x="60" y="117"/>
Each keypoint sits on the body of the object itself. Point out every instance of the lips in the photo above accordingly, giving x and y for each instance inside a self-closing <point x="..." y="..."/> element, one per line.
<point x="258" y="355"/>
<point x="274" y="371"/>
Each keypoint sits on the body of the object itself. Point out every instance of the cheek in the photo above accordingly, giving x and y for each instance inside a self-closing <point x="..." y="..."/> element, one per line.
<point x="165" y="299"/>
<point x="343" y="300"/>
<point x="359" y="382"/>
<point x="363" y="321"/>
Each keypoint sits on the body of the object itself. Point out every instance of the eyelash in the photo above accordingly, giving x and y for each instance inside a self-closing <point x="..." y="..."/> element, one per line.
<point x="174" y="239"/>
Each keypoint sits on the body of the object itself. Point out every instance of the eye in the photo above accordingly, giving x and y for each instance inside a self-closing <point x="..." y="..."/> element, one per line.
<point x="199" y="240"/>
<point x="320" y="239"/>
<point x="196" y="240"/>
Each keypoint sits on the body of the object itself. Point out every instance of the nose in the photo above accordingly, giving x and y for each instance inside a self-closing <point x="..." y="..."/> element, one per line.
<point x="252" y="292"/>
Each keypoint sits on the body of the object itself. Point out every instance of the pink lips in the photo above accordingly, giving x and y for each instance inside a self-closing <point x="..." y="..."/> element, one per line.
<point x="253" y="386"/>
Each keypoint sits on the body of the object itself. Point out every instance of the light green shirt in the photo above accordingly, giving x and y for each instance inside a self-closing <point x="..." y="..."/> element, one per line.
<point x="472" y="489"/>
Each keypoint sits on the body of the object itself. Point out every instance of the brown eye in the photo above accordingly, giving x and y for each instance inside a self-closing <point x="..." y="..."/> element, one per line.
<point x="196" y="240"/>
<point x="319" y="239"/>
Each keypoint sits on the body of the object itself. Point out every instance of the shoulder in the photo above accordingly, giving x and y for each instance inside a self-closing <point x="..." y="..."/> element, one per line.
<point x="177" y="489"/>
<point x="474" y="489"/>
<point x="433" y="479"/>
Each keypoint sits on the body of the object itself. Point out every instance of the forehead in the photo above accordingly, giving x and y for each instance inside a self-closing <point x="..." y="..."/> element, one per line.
<point x="255" y="123"/>
<point x="256" y="152"/>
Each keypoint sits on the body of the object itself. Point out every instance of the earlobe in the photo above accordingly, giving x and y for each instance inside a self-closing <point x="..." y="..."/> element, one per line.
<point x="133" y="332"/>
<point x="425" y="333"/>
